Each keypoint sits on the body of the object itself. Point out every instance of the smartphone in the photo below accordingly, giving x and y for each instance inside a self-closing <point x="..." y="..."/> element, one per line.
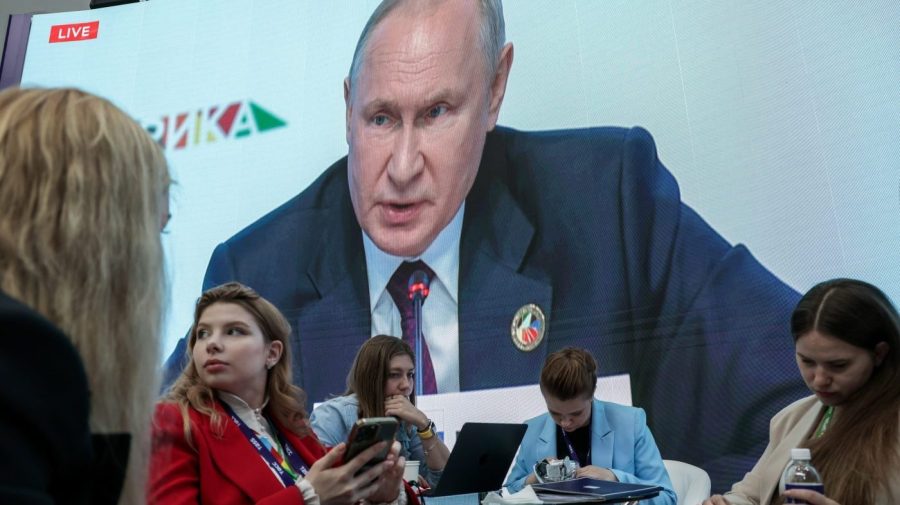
<point x="367" y="432"/>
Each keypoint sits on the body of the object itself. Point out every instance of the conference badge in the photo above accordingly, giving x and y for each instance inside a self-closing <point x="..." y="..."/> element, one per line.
<point x="528" y="326"/>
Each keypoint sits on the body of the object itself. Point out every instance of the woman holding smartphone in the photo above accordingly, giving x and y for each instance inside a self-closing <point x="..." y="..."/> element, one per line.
<point x="380" y="383"/>
<point x="232" y="428"/>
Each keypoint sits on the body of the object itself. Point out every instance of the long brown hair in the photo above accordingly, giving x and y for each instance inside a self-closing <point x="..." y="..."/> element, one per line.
<point x="285" y="400"/>
<point x="858" y="453"/>
<point x="82" y="193"/>
<point x="370" y="370"/>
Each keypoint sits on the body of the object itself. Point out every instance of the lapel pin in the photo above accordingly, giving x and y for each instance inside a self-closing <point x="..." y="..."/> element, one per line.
<point x="528" y="326"/>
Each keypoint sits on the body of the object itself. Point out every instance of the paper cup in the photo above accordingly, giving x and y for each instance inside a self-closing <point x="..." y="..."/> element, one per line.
<point x="411" y="472"/>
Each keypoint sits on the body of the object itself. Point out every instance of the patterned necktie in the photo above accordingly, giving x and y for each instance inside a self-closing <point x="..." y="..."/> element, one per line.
<point x="398" y="287"/>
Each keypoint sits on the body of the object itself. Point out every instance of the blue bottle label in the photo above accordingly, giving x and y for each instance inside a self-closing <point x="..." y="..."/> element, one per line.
<point x="812" y="487"/>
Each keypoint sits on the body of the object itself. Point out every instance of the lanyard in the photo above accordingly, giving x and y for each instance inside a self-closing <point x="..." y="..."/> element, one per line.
<point x="271" y="456"/>
<point x="823" y="424"/>
<point x="572" y="454"/>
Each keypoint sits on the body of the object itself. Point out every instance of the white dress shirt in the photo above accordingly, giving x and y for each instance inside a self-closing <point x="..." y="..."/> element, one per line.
<point x="440" y="325"/>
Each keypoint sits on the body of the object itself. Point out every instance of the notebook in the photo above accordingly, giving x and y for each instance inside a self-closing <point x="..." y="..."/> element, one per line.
<point x="593" y="490"/>
<point x="480" y="459"/>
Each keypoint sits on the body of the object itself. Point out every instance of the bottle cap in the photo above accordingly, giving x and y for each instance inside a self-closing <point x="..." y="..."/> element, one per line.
<point x="801" y="453"/>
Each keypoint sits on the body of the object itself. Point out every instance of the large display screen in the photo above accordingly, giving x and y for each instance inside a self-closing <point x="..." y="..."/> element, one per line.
<point x="778" y="121"/>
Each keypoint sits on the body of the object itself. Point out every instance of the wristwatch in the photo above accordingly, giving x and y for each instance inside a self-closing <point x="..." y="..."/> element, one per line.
<point x="428" y="432"/>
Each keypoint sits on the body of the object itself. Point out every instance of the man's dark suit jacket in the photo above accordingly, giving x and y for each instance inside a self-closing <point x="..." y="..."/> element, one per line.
<point x="588" y="225"/>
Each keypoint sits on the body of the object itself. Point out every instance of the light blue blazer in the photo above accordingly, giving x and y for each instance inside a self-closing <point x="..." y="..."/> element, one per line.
<point x="620" y="441"/>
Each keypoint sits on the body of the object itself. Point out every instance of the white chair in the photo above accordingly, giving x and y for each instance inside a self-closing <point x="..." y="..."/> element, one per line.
<point x="690" y="483"/>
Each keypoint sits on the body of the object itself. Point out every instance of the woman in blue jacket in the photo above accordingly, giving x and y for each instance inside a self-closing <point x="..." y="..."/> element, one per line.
<point x="607" y="440"/>
<point x="380" y="383"/>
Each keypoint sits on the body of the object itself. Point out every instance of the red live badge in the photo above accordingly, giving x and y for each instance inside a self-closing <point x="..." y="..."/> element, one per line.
<point x="74" y="32"/>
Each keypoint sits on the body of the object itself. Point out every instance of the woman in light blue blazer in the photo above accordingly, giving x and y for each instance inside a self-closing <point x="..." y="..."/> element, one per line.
<point x="609" y="441"/>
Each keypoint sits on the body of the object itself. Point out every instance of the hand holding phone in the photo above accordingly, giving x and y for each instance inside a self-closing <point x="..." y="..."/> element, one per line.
<point x="367" y="432"/>
<point x="337" y="483"/>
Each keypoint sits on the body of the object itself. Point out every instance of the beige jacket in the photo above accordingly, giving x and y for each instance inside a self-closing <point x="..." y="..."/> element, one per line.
<point x="788" y="429"/>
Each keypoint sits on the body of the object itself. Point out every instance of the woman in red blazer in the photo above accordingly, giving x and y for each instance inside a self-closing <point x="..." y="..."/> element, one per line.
<point x="232" y="429"/>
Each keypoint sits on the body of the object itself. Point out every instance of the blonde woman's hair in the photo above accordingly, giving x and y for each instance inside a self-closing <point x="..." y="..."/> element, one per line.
<point x="285" y="400"/>
<point x="82" y="188"/>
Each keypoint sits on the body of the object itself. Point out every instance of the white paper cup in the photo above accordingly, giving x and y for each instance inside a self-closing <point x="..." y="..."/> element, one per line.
<point x="411" y="472"/>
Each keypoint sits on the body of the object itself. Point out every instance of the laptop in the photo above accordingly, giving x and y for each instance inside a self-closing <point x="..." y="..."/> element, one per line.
<point x="591" y="490"/>
<point x="480" y="459"/>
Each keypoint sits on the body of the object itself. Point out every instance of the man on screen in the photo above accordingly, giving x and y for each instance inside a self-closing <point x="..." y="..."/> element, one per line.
<point x="531" y="241"/>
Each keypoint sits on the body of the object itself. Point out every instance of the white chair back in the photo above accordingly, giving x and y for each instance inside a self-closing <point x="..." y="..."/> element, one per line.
<point x="690" y="483"/>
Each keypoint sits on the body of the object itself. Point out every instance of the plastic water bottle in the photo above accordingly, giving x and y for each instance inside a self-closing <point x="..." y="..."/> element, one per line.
<point x="800" y="474"/>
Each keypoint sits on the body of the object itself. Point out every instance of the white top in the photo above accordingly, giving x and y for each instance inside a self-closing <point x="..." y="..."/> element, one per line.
<point x="440" y="325"/>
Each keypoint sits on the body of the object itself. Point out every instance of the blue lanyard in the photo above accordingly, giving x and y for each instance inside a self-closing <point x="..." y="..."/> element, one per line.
<point x="291" y="455"/>
<point x="572" y="454"/>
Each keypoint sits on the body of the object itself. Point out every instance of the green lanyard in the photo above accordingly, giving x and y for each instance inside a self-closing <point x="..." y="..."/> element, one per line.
<point x="823" y="424"/>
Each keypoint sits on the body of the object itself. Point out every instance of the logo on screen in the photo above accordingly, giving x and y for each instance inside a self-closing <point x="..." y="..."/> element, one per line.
<point x="212" y="124"/>
<point x="74" y="32"/>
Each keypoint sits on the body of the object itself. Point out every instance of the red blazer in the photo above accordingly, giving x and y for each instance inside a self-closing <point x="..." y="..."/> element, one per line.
<point x="222" y="470"/>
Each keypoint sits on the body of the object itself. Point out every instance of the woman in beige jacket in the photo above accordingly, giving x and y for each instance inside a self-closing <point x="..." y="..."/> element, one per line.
<point x="847" y="337"/>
